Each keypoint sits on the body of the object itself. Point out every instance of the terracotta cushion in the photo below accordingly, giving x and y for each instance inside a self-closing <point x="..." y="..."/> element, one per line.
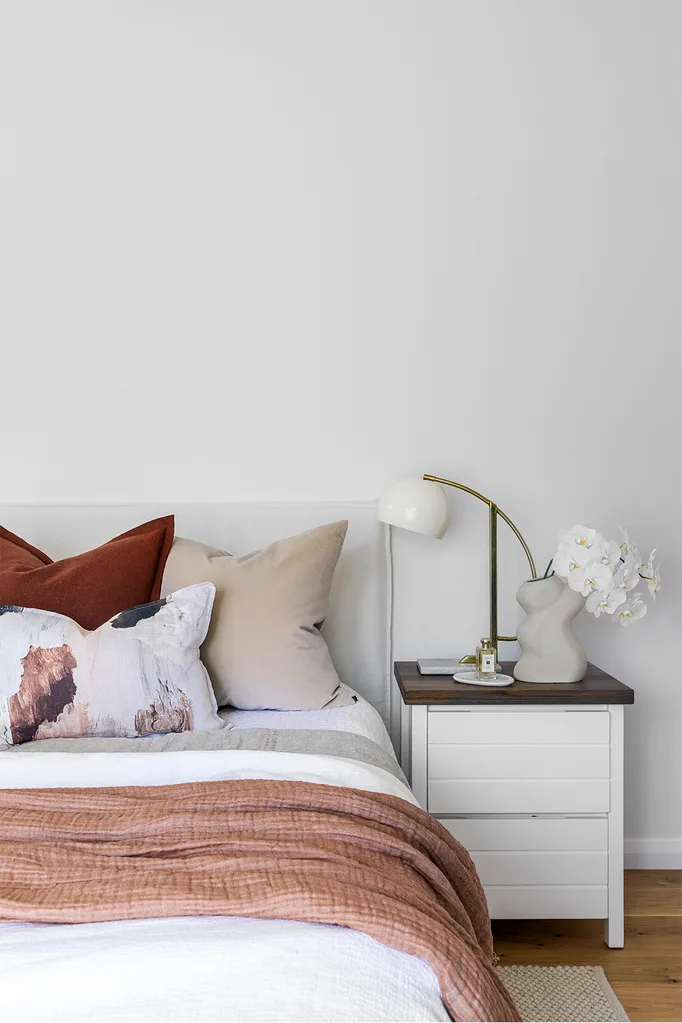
<point x="90" y="588"/>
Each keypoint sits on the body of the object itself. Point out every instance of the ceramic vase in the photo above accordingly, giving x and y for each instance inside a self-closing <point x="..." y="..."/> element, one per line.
<point x="550" y="652"/>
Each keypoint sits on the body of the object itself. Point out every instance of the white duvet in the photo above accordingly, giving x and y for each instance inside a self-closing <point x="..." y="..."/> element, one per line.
<point x="210" y="968"/>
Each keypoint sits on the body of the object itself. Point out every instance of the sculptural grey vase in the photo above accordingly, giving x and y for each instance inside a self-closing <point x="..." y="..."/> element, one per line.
<point x="550" y="652"/>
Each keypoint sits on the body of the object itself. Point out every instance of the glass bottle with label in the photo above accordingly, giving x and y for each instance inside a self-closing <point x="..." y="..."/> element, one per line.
<point x="485" y="658"/>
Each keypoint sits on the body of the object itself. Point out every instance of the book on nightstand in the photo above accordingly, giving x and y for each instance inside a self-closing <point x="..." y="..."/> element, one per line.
<point x="441" y="665"/>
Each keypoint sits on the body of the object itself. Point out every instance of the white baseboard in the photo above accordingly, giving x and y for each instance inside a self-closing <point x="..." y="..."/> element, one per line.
<point x="653" y="853"/>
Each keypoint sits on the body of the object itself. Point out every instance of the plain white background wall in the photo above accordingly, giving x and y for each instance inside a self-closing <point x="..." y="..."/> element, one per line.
<point x="276" y="249"/>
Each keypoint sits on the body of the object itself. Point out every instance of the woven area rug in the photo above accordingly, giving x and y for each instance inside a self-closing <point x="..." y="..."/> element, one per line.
<point x="563" y="994"/>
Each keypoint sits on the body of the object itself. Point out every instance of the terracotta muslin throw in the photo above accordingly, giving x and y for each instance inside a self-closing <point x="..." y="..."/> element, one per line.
<point x="256" y="848"/>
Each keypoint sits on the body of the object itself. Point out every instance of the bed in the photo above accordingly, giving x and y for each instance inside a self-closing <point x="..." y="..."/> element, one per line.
<point x="243" y="966"/>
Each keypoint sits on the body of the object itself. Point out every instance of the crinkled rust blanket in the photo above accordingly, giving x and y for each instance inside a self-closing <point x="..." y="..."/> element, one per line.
<point x="279" y="849"/>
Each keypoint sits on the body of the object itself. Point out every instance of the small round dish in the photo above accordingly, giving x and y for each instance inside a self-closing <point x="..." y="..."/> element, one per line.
<point x="472" y="678"/>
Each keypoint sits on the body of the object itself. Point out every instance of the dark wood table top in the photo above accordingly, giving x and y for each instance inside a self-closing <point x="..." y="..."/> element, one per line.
<point x="596" y="687"/>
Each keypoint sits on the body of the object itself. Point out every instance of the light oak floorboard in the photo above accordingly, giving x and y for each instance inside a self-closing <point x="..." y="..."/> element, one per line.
<point x="646" y="975"/>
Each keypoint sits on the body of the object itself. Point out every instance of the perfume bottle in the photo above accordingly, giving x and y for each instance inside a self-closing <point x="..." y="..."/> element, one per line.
<point x="485" y="659"/>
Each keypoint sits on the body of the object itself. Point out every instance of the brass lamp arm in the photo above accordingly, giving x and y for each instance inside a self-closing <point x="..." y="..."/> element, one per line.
<point x="486" y="500"/>
<point x="494" y="511"/>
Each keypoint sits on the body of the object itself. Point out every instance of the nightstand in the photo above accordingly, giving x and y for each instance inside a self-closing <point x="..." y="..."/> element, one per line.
<point x="530" y="780"/>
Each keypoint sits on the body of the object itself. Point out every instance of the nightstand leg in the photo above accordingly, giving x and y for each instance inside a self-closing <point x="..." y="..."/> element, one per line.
<point x="419" y="755"/>
<point x="614" y="931"/>
<point x="406" y="740"/>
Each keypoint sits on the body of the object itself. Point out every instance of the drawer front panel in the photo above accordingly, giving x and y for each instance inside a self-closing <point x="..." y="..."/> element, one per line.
<point x="542" y="868"/>
<point x="448" y="796"/>
<point x="570" y="902"/>
<point x="542" y="727"/>
<point x="448" y="760"/>
<point x="530" y="834"/>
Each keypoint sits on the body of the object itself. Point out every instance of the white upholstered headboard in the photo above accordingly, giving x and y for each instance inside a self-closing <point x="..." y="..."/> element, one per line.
<point x="357" y="627"/>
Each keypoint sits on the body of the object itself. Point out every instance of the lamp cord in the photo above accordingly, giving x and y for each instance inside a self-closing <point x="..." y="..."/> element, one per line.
<point x="388" y="549"/>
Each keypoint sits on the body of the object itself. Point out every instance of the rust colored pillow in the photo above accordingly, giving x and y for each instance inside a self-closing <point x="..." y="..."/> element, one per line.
<point x="93" y="587"/>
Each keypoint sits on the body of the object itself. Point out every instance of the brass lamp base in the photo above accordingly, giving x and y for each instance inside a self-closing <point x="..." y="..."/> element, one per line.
<point x="493" y="513"/>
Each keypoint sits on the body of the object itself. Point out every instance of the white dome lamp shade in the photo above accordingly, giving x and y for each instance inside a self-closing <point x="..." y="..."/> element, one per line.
<point x="415" y="504"/>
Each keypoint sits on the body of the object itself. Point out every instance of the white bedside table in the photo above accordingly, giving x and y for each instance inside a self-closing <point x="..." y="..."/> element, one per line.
<point x="530" y="780"/>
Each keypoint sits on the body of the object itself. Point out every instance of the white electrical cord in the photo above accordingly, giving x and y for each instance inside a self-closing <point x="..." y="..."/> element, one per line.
<point x="390" y="686"/>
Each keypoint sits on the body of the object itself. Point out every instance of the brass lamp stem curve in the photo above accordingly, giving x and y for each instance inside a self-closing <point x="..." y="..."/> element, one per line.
<point x="494" y="511"/>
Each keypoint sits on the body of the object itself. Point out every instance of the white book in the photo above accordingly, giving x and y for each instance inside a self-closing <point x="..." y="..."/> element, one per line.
<point x="441" y="665"/>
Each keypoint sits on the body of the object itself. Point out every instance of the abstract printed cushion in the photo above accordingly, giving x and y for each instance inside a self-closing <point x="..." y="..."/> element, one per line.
<point x="93" y="587"/>
<point x="137" y="674"/>
<point x="264" y="649"/>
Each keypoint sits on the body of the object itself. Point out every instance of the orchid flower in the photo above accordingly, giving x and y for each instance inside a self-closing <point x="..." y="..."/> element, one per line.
<point x="626" y="577"/>
<point x="605" y="572"/>
<point x="631" y="562"/>
<point x="631" y="610"/>
<point x="582" y="536"/>
<point x="570" y="558"/>
<point x="583" y="560"/>
<point x="578" y="568"/>
<point x="625" y="545"/>
<point x="595" y="577"/>
<point x="655" y="583"/>
<point x="647" y="570"/>
<point x="610" y="552"/>
<point x="633" y="558"/>
<point x="602" y="602"/>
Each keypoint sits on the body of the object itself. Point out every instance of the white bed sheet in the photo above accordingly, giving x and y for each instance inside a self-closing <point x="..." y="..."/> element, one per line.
<point x="359" y="717"/>
<point x="89" y="770"/>
<point x="211" y="968"/>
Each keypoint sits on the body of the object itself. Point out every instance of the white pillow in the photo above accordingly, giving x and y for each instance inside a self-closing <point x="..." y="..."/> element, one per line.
<point x="137" y="674"/>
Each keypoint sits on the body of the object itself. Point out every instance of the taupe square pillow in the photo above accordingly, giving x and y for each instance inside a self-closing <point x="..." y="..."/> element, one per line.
<point x="264" y="649"/>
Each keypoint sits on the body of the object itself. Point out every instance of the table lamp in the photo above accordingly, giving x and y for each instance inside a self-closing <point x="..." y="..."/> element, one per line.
<point x="420" y="505"/>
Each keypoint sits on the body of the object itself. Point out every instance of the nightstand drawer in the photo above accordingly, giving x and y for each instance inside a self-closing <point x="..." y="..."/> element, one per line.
<point x="524" y="727"/>
<point x="540" y="868"/>
<point x="463" y="760"/>
<point x="523" y="834"/>
<point x="548" y="902"/>
<point x="518" y="795"/>
<point x="535" y="850"/>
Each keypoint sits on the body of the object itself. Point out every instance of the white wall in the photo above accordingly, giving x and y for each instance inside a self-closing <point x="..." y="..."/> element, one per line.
<point x="296" y="248"/>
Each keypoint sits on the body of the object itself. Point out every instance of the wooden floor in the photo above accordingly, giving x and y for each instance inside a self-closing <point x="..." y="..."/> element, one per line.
<point x="646" y="975"/>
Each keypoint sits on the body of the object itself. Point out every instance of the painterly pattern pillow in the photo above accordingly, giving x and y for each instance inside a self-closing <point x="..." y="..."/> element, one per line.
<point x="92" y="587"/>
<point x="137" y="674"/>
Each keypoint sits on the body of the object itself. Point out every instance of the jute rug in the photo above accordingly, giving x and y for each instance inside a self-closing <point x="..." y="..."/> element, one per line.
<point x="563" y="994"/>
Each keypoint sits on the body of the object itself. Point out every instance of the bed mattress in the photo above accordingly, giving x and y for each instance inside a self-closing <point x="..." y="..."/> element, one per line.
<point x="213" y="968"/>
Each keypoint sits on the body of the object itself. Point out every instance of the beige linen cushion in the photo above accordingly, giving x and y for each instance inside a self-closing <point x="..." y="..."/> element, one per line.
<point x="264" y="650"/>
